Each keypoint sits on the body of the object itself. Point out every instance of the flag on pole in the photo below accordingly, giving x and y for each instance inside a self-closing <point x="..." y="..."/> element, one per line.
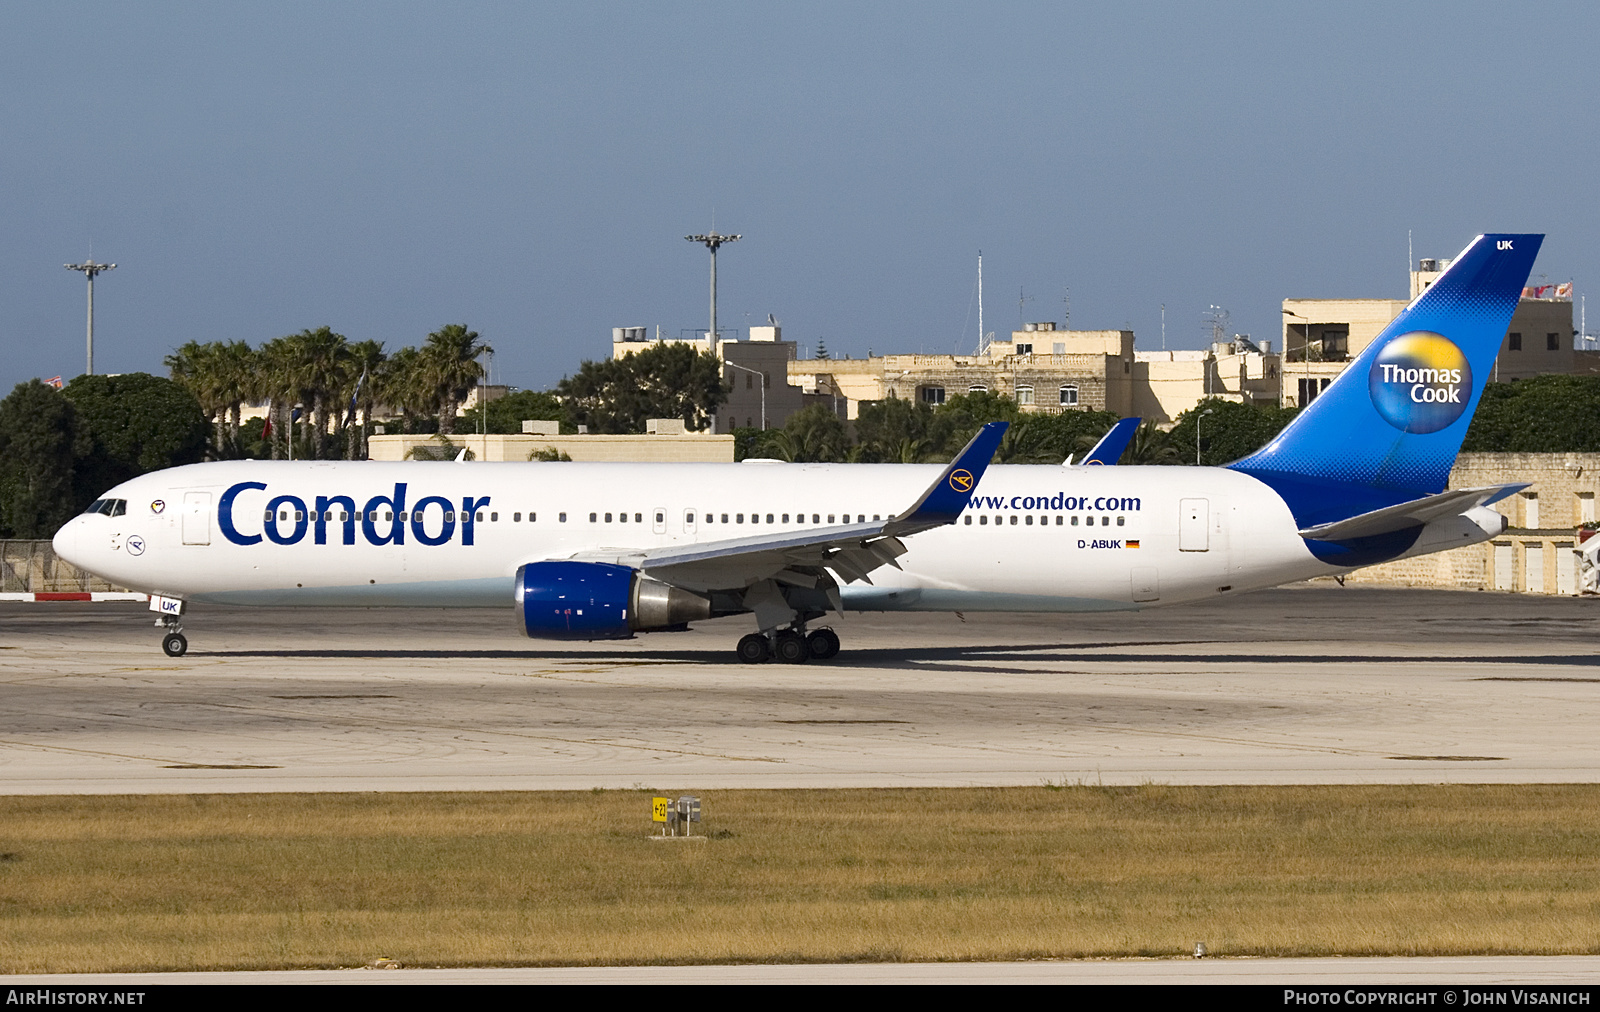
<point x="266" y="430"/>
<point x="54" y="381"/>
<point x="356" y="396"/>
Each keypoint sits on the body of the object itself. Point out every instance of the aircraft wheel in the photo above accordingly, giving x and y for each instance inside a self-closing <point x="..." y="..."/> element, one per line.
<point x="752" y="649"/>
<point x="792" y="648"/>
<point x="823" y="644"/>
<point x="175" y="645"/>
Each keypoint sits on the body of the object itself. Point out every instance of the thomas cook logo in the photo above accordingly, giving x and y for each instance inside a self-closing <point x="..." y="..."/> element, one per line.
<point x="1420" y="382"/>
<point x="961" y="480"/>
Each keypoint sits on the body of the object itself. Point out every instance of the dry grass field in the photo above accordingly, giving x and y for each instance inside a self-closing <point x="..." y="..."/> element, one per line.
<point x="322" y="880"/>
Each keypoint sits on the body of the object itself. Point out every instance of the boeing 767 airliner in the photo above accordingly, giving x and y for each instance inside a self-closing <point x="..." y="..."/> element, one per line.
<point x="604" y="551"/>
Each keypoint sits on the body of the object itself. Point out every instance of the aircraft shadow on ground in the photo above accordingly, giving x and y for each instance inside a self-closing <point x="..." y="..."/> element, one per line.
<point x="958" y="658"/>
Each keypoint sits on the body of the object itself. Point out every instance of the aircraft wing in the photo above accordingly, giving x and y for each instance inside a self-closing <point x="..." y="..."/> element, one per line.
<point x="799" y="557"/>
<point x="1410" y="514"/>
<point x="1111" y="446"/>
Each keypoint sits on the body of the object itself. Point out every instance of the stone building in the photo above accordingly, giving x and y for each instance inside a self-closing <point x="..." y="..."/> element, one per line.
<point x="1535" y="555"/>
<point x="1322" y="336"/>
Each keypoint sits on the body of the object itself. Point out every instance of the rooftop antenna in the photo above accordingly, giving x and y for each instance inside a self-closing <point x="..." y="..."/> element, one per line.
<point x="1066" y="307"/>
<point x="1022" y="300"/>
<point x="1163" y="326"/>
<point x="90" y="269"/>
<point x="712" y="240"/>
<point x="1217" y="319"/>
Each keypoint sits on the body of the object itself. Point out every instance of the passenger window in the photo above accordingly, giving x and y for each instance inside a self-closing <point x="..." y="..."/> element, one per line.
<point x="724" y="518"/>
<point x="1059" y="519"/>
<point x="638" y="518"/>
<point x="830" y="518"/>
<point x="608" y="518"/>
<point x="593" y="517"/>
<point x="493" y="517"/>
<point x="388" y="514"/>
<point x="449" y="516"/>
<point x="738" y="518"/>
<point x="661" y="518"/>
<point x="876" y="517"/>
<point x="532" y="517"/>
<point x="816" y="518"/>
<point x="622" y="519"/>
<point x="786" y="518"/>
<point x="983" y="521"/>
<point x="1013" y="520"/>
<point x="562" y="518"/>
<point x="1028" y="519"/>
<point x="343" y="516"/>
<point x="968" y="521"/>
<point x="516" y="518"/>
<point x="769" y="518"/>
<point x="1074" y="521"/>
<point x="1120" y="521"/>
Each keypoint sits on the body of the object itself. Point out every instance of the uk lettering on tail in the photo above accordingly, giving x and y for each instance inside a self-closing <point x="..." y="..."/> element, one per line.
<point x="607" y="551"/>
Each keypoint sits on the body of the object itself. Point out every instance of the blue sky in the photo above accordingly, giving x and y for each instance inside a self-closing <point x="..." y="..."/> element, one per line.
<point x="531" y="169"/>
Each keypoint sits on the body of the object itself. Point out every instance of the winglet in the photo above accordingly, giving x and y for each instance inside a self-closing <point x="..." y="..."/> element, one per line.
<point x="1111" y="446"/>
<point x="946" y="498"/>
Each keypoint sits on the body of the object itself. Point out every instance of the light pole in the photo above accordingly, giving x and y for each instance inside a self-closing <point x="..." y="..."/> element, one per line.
<point x="763" y="385"/>
<point x="1305" y="356"/>
<point x="1197" y="421"/>
<point x="90" y="269"/>
<point x="712" y="240"/>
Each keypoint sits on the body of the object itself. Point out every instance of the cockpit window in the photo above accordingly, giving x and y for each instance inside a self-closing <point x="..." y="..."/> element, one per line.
<point x="119" y="507"/>
<point x="94" y="507"/>
<point x="110" y="507"/>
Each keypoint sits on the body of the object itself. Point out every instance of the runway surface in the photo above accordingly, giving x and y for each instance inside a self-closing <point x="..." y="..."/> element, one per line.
<point x="1305" y="685"/>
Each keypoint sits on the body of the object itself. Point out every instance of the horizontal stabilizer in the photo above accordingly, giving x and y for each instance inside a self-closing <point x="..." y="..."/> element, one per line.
<point x="1410" y="514"/>
<point x="1109" y="450"/>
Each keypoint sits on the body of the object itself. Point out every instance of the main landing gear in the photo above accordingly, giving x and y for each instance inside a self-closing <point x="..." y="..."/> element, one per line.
<point x="174" y="642"/>
<point x="791" y="646"/>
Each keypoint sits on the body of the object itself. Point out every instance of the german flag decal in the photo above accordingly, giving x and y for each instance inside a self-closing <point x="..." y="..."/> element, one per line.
<point x="1131" y="544"/>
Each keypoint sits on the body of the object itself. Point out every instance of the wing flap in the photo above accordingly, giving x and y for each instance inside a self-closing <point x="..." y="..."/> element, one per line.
<point x="850" y="550"/>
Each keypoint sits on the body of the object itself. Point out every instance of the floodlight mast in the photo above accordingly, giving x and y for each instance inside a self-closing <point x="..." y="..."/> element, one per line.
<point x="712" y="241"/>
<point x="90" y="269"/>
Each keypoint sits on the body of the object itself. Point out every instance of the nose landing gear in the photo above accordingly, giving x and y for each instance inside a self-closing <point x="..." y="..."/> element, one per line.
<point x="174" y="642"/>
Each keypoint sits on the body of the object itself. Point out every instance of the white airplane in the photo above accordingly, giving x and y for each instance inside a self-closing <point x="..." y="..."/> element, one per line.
<point x="604" y="551"/>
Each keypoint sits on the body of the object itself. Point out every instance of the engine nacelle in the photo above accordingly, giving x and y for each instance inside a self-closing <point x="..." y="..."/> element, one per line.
<point x="599" y="601"/>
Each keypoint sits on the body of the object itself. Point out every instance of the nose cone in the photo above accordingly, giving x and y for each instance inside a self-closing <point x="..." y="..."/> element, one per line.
<point x="66" y="542"/>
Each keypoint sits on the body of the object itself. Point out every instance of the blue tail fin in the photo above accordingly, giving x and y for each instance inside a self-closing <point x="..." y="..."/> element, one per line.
<point x="1388" y="429"/>
<point x="1111" y="446"/>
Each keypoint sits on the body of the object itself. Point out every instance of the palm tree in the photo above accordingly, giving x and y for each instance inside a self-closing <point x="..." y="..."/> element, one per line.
<point x="321" y="373"/>
<point x="1152" y="446"/>
<point x="236" y="366"/>
<point x="195" y="366"/>
<point x="402" y="385"/>
<point x="451" y="357"/>
<point x="366" y="362"/>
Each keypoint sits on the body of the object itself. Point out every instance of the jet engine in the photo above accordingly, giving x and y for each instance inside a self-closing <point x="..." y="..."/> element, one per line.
<point x="599" y="601"/>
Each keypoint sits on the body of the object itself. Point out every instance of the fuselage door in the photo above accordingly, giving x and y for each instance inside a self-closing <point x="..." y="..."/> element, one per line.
<point x="197" y="518"/>
<point x="1194" y="525"/>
